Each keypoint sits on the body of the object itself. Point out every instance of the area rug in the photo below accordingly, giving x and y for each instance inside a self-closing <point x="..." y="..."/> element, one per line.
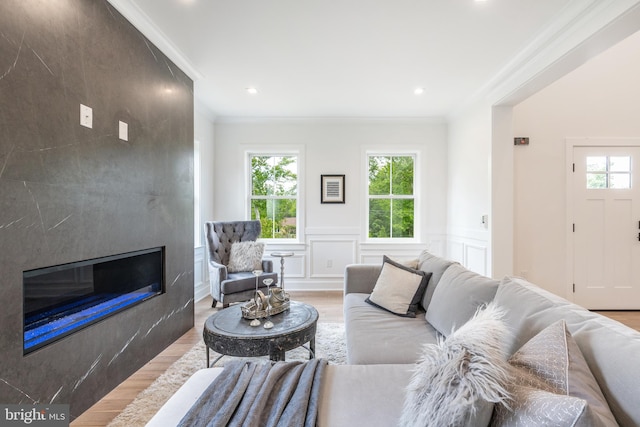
<point x="330" y="345"/>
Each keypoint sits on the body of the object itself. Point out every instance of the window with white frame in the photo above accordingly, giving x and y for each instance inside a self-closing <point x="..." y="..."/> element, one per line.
<point x="391" y="198"/>
<point x="273" y="195"/>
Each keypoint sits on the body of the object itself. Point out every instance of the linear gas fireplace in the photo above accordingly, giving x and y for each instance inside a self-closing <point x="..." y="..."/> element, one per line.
<point x="62" y="299"/>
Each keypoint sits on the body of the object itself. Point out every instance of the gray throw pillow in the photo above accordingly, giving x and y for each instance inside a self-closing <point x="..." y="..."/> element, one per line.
<point x="552" y="385"/>
<point x="245" y="256"/>
<point x="457" y="297"/>
<point x="398" y="288"/>
<point x="458" y="381"/>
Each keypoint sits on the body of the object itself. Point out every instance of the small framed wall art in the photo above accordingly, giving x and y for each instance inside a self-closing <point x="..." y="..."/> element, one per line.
<point x="331" y="188"/>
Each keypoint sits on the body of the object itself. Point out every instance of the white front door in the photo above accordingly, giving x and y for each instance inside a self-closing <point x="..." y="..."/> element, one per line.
<point x="606" y="236"/>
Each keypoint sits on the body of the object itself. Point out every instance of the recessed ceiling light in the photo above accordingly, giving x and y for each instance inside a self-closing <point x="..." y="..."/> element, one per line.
<point x="252" y="90"/>
<point x="418" y="91"/>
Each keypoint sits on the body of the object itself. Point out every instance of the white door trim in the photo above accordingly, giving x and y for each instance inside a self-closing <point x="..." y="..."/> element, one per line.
<point x="570" y="144"/>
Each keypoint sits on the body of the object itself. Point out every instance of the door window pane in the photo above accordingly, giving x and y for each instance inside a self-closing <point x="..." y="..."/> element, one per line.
<point x="596" y="180"/>
<point x="620" y="180"/>
<point x="608" y="172"/>
<point x="620" y="164"/>
<point x="597" y="164"/>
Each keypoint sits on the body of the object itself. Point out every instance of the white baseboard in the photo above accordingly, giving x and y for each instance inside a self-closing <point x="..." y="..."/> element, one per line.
<point x="200" y="291"/>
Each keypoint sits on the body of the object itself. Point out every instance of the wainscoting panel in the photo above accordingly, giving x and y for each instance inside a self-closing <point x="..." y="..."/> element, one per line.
<point x="473" y="253"/>
<point x="456" y="252"/>
<point x="320" y="263"/>
<point x="294" y="266"/>
<point x="437" y="245"/>
<point x="476" y="258"/>
<point x="200" y="274"/>
<point x="372" y="253"/>
<point x="376" y="258"/>
<point x="328" y="258"/>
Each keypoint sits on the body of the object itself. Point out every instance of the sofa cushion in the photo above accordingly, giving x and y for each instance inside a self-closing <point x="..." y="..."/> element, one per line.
<point x="181" y="401"/>
<point x="436" y="266"/>
<point x="398" y="289"/>
<point x="457" y="297"/>
<point x="347" y="396"/>
<point x="551" y="384"/>
<point x="376" y="336"/>
<point x="458" y="380"/>
<point x="364" y="395"/>
<point x="244" y="281"/>
<point x="604" y="343"/>
<point x="245" y="256"/>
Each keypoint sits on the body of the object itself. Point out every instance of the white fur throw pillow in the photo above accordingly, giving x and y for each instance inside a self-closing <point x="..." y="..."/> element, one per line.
<point x="458" y="380"/>
<point x="245" y="256"/>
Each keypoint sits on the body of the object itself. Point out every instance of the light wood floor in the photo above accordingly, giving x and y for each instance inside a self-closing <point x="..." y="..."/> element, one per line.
<point x="328" y="304"/>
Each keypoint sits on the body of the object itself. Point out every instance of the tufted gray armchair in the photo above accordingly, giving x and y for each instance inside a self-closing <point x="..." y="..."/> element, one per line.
<point x="232" y="287"/>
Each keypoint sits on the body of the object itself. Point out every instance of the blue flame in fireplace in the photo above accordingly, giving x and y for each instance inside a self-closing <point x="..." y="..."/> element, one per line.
<point x="61" y="299"/>
<point x="40" y="328"/>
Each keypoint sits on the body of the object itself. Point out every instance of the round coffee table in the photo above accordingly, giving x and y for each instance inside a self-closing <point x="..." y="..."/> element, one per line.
<point x="228" y="333"/>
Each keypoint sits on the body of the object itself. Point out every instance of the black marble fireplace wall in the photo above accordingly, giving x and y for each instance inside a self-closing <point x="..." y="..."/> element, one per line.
<point x="69" y="192"/>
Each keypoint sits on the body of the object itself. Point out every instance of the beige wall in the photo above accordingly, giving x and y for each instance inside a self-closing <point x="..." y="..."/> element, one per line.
<point x="599" y="99"/>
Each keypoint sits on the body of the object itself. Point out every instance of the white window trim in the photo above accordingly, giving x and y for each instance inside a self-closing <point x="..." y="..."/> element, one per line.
<point x="417" y="191"/>
<point x="271" y="150"/>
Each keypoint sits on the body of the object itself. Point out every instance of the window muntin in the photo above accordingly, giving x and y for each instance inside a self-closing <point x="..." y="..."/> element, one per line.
<point x="274" y="194"/>
<point x="608" y="172"/>
<point x="391" y="197"/>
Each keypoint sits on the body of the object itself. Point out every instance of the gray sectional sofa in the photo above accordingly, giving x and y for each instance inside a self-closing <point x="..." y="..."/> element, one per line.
<point x="383" y="348"/>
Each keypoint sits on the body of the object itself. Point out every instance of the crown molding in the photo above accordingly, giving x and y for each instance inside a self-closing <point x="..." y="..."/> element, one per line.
<point x="583" y="30"/>
<point x="201" y="108"/>
<point x="145" y="25"/>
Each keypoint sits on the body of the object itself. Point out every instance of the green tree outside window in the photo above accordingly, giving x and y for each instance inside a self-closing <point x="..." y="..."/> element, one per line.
<point x="391" y="198"/>
<point x="274" y="195"/>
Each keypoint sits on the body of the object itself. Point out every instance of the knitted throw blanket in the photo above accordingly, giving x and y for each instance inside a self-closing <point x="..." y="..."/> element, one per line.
<point x="260" y="394"/>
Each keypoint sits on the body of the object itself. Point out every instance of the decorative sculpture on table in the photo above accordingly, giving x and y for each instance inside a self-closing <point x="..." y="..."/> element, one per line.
<point x="275" y="302"/>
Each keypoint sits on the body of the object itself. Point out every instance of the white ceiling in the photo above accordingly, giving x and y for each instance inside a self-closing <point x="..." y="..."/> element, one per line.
<point x="349" y="58"/>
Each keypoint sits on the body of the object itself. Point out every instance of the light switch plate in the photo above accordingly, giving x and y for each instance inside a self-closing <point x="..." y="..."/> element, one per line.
<point x="86" y="116"/>
<point x="123" y="131"/>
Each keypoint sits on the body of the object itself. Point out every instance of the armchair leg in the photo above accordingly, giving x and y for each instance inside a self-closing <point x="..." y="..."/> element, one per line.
<point x="225" y="305"/>
<point x="213" y="304"/>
